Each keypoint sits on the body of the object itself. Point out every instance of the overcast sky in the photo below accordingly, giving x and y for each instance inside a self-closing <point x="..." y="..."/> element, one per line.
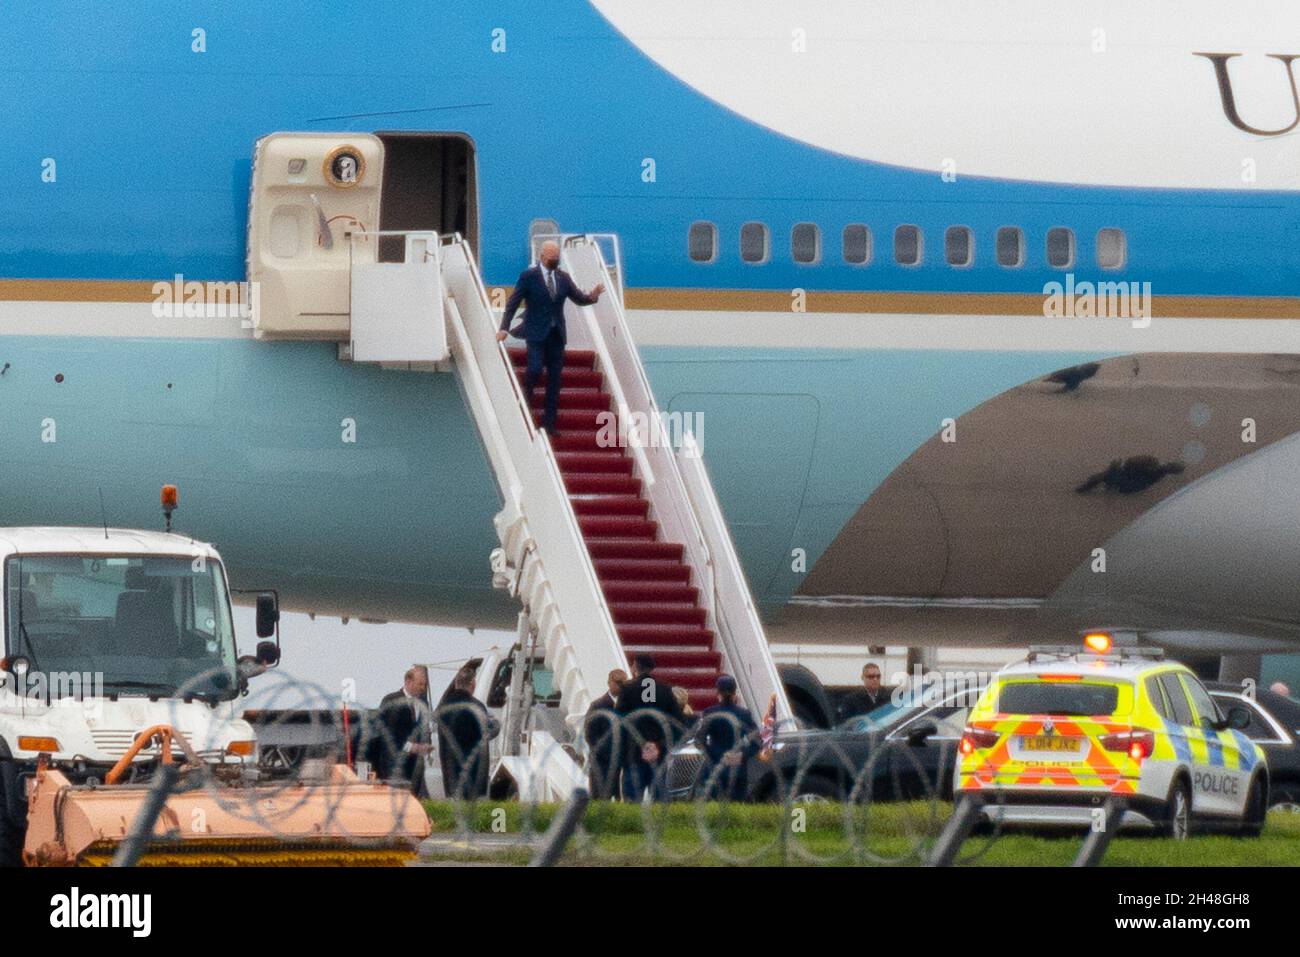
<point x="319" y="656"/>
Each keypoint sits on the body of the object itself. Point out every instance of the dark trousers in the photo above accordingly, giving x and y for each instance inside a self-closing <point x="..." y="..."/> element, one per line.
<point x="548" y="353"/>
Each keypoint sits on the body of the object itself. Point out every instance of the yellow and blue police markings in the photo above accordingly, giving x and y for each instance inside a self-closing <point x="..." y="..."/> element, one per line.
<point x="1134" y="751"/>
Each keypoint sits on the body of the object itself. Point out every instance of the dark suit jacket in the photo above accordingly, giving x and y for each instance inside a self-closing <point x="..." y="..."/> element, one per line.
<point x="464" y="729"/>
<point x="724" y="728"/>
<point x="658" y="719"/>
<point x="539" y="307"/>
<point x="859" y="702"/>
<point x="398" y="724"/>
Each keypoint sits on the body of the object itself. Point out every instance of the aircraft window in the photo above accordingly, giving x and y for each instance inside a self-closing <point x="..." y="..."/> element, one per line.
<point x="541" y="227"/>
<point x="908" y="245"/>
<point x="805" y="243"/>
<point x="1011" y="246"/>
<point x="856" y="241"/>
<point x="958" y="246"/>
<point x="702" y="242"/>
<point x="754" y="243"/>
<point x="1060" y="247"/>
<point x="1112" y="248"/>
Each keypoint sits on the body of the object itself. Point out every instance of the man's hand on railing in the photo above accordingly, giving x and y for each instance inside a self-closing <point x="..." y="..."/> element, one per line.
<point x="596" y="290"/>
<point x="501" y="335"/>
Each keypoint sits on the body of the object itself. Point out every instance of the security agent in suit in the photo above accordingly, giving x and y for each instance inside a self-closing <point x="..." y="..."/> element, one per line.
<point x="728" y="736"/>
<point x="869" y="697"/>
<point x="404" y="737"/>
<point x="601" y="731"/>
<point x="653" y="723"/>
<point x="464" y="730"/>
<point x="542" y="290"/>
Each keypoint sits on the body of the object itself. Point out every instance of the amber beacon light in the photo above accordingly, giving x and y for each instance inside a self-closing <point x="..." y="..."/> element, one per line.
<point x="1098" y="642"/>
<point x="170" y="499"/>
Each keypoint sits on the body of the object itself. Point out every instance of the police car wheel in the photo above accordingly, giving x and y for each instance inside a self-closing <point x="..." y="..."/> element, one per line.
<point x="1252" y="823"/>
<point x="1178" y="811"/>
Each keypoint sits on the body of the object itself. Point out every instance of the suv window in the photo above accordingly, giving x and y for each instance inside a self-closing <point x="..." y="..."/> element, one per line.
<point x="1058" y="697"/>
<point x="1177" y="699"/>
<point x="1259" y="728"/>
<point x="1207" y="715"/>
<point x="1157" y="696"/>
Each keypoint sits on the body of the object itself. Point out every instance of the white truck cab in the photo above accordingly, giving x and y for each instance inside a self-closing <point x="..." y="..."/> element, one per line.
<point x="108" y="632"/>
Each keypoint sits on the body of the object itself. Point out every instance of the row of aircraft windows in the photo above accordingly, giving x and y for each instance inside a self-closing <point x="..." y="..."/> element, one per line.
<point x="1111" y="247"/>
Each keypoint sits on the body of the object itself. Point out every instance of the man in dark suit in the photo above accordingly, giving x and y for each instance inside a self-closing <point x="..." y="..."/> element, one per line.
<point x="464" y="730"/>
<point x="869" y="697"/>
<point x="542" y="290"/>
<point x="653" y="723"/>
<point x="403" y="738"/>
<point x="728" y="736"/>
<point x="604" y="742"/>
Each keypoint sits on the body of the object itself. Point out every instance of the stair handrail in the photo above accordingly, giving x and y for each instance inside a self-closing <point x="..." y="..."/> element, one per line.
<point x="732" y="593"/>
<point x="727" y="596"/>
<point x="686" y="516"/>
<point x="543" y="461"/>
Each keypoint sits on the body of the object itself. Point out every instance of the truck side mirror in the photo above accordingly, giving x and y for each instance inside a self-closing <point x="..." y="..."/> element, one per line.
<point x="268" y="653"/>
<point x="268" y="615"/>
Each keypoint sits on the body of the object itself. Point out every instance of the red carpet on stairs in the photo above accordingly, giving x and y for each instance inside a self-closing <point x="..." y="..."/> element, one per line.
<point x="647" y="584"/>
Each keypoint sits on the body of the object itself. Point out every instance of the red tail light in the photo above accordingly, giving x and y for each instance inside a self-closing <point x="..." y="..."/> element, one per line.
<point x="1139" y="742"/>
<point x="973" y="738"/>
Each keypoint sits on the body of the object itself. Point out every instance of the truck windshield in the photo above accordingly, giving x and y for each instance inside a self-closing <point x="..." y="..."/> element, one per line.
<point x="153" y="624"/>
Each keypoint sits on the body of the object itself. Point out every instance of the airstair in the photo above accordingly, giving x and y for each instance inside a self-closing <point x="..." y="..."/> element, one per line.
<point x="610" y="534"/>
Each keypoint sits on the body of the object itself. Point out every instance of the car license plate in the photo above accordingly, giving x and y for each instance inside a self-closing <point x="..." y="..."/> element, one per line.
<point x="1045" y="742"/>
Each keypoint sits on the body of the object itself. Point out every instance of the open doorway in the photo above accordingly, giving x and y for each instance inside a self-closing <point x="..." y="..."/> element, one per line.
<point x="430" y="182"/>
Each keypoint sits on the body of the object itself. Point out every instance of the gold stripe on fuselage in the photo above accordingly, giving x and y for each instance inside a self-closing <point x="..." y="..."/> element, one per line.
<point x="743" y="300"/>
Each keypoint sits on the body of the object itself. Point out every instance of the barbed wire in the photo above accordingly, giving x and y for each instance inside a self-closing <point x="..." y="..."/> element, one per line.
<point x="713" y="790"/>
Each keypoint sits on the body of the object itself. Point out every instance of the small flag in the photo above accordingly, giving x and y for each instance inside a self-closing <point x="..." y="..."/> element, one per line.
<point x="767" y="734"/>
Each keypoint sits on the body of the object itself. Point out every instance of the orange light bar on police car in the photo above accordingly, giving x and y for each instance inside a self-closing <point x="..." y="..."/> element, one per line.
<point x="1056" y="677"/>
<point x="241" y="748"/>
<point x="37" y="744"/>
<point x="1098" y="641"/>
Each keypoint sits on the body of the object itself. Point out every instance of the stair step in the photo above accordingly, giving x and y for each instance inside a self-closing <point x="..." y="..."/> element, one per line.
<point x="593" y="399"/>
<point x="626" y="569"/>
<point x="621" y="526"/>
<point x="578" y="440"/>
<point x="655" y="613"/>
<point x="572" y="357"/>
<point x="577" y="419"/>
<point x="650" y="591"/>
<point x="601" y="483"/>
<point x="700" y="698"/>
<point x="587" y="462"/>
<point x="611" y="505"/>
<point x="665" y="636"/>
<point x="672" y="657"/>
<point x="689" y="678"/>
<point x="570" y="378"/>
<point x="636" y="548"/>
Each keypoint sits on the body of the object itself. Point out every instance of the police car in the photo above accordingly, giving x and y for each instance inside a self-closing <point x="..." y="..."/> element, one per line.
<point x="1054" y="736"/>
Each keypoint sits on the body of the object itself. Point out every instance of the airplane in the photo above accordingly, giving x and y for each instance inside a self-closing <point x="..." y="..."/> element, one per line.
<point x="966" y="296"/>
